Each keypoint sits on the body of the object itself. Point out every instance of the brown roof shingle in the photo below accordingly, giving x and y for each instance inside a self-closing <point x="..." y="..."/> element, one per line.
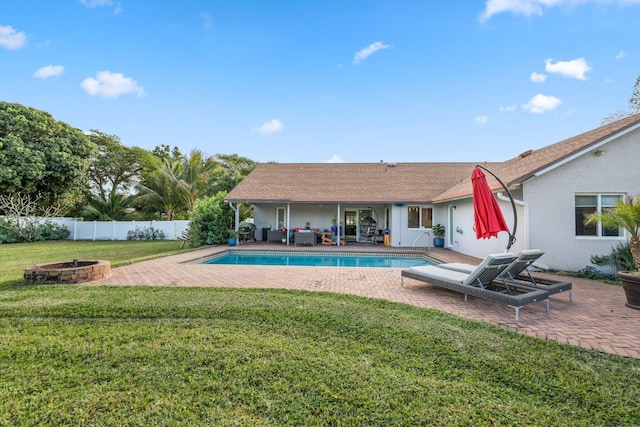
<point x="403" y="182"/>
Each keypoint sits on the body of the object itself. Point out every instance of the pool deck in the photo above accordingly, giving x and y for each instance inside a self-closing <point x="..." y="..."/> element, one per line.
<point x="597" y="318"/>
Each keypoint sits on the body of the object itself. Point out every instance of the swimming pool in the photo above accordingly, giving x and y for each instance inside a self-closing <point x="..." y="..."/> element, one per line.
<point x="310" y="259"/>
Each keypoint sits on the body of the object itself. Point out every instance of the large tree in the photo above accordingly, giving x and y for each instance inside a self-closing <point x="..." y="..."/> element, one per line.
<point x="116" y="168"/>
<point x="40" y="155"/>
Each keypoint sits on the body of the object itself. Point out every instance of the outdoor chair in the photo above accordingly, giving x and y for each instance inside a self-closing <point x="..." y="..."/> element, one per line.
<point x="304" y="238"/>
<point x="481" y="282"/>
<point x="518" y="273"/>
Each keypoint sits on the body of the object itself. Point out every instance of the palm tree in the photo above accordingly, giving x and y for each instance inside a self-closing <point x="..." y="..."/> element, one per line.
<point x="115" y="207"/>
<point x="625" y="215"/>
<point x="162" y="192"/>
<point x="195" y="173"/>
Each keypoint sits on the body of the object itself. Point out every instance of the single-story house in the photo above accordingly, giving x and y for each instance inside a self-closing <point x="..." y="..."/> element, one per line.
<point x="553" y="187"/>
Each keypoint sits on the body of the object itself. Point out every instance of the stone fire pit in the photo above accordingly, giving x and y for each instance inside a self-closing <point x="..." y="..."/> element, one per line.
<point x="75" y="271"/>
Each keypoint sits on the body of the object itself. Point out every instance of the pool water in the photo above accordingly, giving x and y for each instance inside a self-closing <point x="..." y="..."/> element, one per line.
<point x="319" y="260"/>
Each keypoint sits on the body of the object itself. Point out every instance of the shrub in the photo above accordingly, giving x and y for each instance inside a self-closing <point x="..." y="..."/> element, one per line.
<point x="620" y="256"/>
<point x="12" y="232"/>
<point x="51" y="231"/>
<point x="210" y="220"/>
<point x="593" y="273"/>
<point x="146" y="233"/>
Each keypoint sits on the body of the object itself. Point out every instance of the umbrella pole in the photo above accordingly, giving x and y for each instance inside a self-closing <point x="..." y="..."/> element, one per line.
<point x="512" y="236"/>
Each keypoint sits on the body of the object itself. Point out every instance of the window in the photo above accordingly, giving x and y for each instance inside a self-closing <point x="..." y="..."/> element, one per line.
<point x="587" y="204"/>
<point x="420" y="217"/>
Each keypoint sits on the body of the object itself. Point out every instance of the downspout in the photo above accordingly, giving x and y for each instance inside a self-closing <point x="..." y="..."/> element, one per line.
<point x="525" y="206"/>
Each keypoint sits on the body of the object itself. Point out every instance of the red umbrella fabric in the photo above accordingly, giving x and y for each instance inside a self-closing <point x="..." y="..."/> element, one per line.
<point x="487" y="215"/>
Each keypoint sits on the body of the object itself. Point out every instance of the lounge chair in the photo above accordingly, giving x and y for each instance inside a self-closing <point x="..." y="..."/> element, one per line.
<point x="481" y="282"/>
<point x="518" y="273"/>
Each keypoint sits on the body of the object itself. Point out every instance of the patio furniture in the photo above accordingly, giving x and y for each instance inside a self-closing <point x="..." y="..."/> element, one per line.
<point x="304" y="238"/>
<point x="327" y="238"/>
<point x="518" y="273"/>
<point x="481" y="282"/>
<point x="368" y="230"/>
<point x="275" y="235"/>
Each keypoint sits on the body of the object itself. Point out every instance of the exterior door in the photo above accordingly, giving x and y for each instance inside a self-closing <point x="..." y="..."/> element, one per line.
<point x="350" y="225"/>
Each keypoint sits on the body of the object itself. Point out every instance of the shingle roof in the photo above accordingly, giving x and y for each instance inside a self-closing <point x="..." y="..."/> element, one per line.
<point x="527" y="164"/>
<point x="348" y="182"/>
<point x="404" y="182"/>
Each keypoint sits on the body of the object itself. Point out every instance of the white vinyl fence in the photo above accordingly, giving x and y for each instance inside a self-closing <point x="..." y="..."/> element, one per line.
<point x="118" y="230"/>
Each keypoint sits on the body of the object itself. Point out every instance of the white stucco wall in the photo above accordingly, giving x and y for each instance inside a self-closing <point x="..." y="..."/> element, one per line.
<point x="551" y="198"/>
<point x="464" y="236"/>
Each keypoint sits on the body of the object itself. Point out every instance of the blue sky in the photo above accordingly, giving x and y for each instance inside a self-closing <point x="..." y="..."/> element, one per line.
<point x="320" y="81"/>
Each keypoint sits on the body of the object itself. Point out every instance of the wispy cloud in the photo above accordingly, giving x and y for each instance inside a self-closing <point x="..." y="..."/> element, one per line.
<point x="270" y="127"/>
<point x="576" y="68"/>
<point x="509" y="108"/>
<point x="90" y="4"/>
<point x="541" y="103"/>
<point x="335" y="159"/>
<point x="11" y="38"/>
<point x="207" y="21"/>
<point x="368" y="51"/>
<point x="538" y="78"/>
<point x="481" y="120"/>
<point x="111" y="85"/>
<point x="536" y="7"/>
<point x="621" y="55"/>
<point x="49" y="71"/>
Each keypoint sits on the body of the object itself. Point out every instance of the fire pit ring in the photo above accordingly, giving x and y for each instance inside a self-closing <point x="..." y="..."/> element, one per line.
<point x="75" y="271"/>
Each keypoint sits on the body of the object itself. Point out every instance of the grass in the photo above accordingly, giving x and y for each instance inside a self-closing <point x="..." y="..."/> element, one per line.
<point x="76" y="355"/>
<point x="16" y="257"/>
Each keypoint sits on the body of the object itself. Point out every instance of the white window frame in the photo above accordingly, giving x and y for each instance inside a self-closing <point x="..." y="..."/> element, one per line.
<point x="421" y="208"/>
<point x="599" y="208"/>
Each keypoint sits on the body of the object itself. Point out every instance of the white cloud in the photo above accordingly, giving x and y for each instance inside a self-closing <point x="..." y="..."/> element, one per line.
<point x="541" y="103"/>
<point x="335" y="159"/>
<point x="111" y="85"/>
<point x="535" y="7"/>
<point x="575" y="68"/>
<point x="102" y="3"/>
<point x="538" y="78"/>
<point x="48" y="71"/>
<point x="481" y="120"/>
<point x="11" y="38"/>
<point x="508" y="108"/>
<point x="621" y="55"/>
<point x="368" y="51"/>
<point x="270" y="127"/>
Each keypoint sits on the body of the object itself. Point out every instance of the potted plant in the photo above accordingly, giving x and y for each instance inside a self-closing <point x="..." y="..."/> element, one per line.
<point x="307" y="225"/>
<point x="438" y="235"/>
<point x="232" y="237"/>
<point x="334" y="224"/>
<point x="625" y="215"/>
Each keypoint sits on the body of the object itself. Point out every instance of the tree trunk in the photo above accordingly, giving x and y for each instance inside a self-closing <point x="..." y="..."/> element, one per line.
<point x="634" y="246"/>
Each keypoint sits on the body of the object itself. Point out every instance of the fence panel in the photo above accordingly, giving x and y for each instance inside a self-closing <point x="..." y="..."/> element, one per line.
<point x="119" y="230"/>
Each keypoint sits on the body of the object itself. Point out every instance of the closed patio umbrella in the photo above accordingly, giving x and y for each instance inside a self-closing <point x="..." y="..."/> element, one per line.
<point x="487" y="215"/>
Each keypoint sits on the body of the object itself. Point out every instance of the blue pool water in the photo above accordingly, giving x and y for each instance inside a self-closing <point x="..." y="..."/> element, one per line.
<point x="319" y="260"/>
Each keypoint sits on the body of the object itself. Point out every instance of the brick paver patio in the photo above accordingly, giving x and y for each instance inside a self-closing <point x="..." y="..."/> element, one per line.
<point x="596" y="319"/>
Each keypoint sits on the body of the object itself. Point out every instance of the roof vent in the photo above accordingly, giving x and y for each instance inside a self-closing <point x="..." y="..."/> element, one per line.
<point x="525" y="154"/>
<point x="391" y="164"/>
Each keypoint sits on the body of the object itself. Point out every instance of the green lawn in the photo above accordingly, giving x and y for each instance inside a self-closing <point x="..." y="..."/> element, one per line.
<point x="102" y="356"/>
<point x="15" y="258"/>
